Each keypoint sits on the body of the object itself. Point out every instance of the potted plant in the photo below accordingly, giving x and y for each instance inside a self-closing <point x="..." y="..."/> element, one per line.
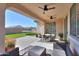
<point x="61" y="36"/>
<point x="9" y="44"/>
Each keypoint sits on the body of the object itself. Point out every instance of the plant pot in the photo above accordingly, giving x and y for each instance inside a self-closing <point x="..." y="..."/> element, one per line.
<point x="8" y="49"/>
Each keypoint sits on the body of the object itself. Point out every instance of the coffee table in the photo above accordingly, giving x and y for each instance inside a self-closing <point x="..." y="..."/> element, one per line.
<point x="37" y="51"/>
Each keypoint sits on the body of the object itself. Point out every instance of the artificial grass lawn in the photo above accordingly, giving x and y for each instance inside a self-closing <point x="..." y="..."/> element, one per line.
<point x="17" y="35"/>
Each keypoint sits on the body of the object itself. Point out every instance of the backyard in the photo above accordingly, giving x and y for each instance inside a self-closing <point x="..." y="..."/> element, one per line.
<point x="22" y="34"/>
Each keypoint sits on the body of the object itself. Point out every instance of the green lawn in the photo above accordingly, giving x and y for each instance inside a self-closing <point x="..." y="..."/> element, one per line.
<point x="17" y="35"/>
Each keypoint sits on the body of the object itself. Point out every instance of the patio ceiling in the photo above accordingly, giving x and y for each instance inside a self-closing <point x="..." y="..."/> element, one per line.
<point x="60" y="11"/>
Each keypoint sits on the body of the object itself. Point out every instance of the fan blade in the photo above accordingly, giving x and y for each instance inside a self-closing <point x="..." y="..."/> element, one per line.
<point x="51" y="8"/>
<point x="41" y="8"/>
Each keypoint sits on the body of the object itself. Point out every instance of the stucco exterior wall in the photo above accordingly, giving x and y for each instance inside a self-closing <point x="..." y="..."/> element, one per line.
<point x="73" y="40"/>
<point x="59" y="26"/>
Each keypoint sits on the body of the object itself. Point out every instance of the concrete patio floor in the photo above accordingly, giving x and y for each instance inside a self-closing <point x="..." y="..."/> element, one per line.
<point x="26" y="43"/>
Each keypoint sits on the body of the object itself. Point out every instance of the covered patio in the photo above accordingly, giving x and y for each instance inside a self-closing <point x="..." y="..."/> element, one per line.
<point x="55" y="21"/>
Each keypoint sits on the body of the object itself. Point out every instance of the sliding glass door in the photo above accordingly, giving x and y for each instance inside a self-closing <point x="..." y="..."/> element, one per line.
<point x="51" y="28"/>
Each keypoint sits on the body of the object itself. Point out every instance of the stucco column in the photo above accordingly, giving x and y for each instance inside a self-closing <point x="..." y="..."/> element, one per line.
<point x="41" y="27"/>
<point x="2" y="27"/>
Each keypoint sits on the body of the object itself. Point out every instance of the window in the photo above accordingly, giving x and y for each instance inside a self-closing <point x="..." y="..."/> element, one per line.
<point x="77" y="13"/>
<point x="51" y="28"/>
<point x="74" y="20"/>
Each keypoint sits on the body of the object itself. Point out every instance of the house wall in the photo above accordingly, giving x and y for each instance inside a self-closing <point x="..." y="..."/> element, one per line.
<point x="73" y="40"/>
<point x="59" y="26"/>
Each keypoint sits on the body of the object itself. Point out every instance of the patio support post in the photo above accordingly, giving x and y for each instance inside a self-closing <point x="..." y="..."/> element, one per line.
<point x="41" y="27"/>
<point x="2" y="28"/>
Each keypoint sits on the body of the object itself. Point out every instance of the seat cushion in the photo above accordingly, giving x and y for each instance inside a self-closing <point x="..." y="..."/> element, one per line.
<point x="14" y="52"/>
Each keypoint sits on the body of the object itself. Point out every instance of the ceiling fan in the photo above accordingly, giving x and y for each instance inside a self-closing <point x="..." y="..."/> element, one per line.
<point x="51" y="17"/>
<point x="45" y="8"/>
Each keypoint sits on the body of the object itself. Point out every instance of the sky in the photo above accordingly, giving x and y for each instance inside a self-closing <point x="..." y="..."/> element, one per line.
<point x="13" y="18"/>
